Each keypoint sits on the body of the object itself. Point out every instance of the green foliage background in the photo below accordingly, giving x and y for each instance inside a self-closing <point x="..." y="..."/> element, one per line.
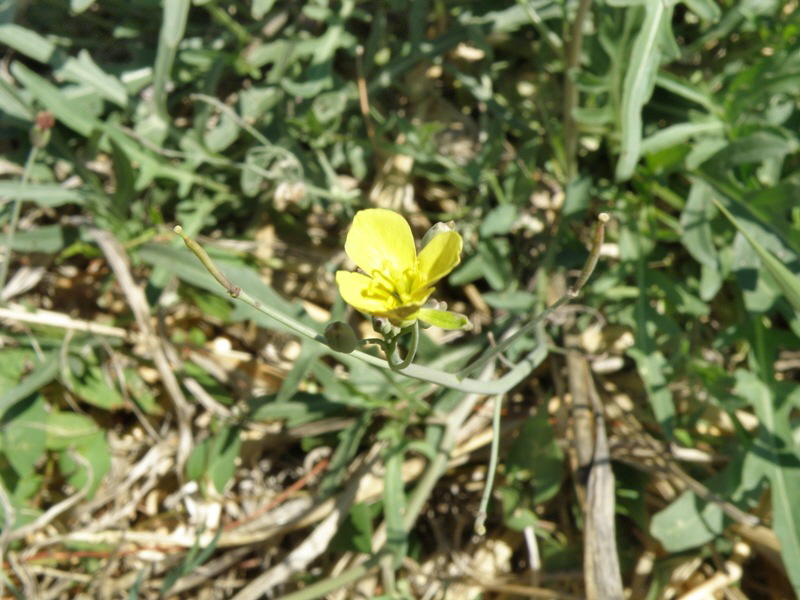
<point x="679" y="119"/>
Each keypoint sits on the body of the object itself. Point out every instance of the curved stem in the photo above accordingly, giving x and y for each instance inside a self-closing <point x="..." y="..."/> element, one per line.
<point x="412" y="350"/>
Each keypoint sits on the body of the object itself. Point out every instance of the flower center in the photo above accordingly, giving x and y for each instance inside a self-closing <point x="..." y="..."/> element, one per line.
<point x="393" y="286"/>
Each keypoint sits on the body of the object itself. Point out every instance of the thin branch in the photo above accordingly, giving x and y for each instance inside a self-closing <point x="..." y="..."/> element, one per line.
<point x="571" y="293"/>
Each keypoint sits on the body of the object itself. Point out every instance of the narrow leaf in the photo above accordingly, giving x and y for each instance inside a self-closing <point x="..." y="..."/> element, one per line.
<point x="638" y="85"/>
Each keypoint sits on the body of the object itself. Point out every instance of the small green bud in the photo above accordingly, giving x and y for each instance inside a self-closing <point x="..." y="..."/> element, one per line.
<point x="385" y="327"/>
<point x="341" y="337"/>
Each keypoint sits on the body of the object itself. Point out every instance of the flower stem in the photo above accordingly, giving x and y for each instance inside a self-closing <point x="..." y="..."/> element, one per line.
<point x="412" y="349"/>
<point x="480" y="520"/>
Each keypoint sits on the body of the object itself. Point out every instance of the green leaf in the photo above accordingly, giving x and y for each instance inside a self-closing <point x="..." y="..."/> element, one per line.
<point x="687" y="523"/>
<point x="21" y="491"/>
<point x="84" y="70"/>
<point x="499" y="221"/>
<point x="65" y="110"/>
<point x="681" y="133"/>
<point x="42" y="374"/>
<point x="758" y="290"/>
<point x="22" y="434"/>
<point x="303" y="408"/>
<point x="93" y="387"/>
<point x="261" y="7"/>
<point x="471" y="269"/>
<point x="535" y="457"/>
<point x="394" y="502"/>
<point x="355" y="532"/>
<point x="652" y="369"/>
<point x="214" y="459"/>
<point x="517" y="301"/>
<point x="47" y="239"/>
<point x="65" y="429"/>
<point x="81" y="70"/>
<point x="705" y="9"/>
<point x="639" y="82"/>
<point x="755" y="148"/>
<point x="222" y="459"/>
<point x="223" y="135"/>
<point x="173" y="27"/>
<point x="95" y="452"/>
<point x="696" y="225"/>
<point x="79" y="6"/>
<point x="788" y="282"/>
<point x="495" y="254"/>
<point x="46" y="195"/>
<point x="444" y="319"/>
<point x="27" y="42"/>
<point x="12" y="104"/>
<point x="777" y="456"/>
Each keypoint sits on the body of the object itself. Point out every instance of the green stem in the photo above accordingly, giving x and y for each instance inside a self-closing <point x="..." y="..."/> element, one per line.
<point x="321" y="588"/>
<point x="571" y="97"/>
<point x="15" y="212"/>
<point x="224" y="19"/>
<point x="547" y="34"/>
<point x="416" y="501"/>
<point x="412" y="350"/>
<point x="454" y="420"/>
<point x="480" y="520"/>
<point x="571" y="293"/>
<point x="222" y="107"/>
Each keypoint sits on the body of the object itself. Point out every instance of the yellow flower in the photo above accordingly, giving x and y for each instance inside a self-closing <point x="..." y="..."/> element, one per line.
<point x="397" y="282"/>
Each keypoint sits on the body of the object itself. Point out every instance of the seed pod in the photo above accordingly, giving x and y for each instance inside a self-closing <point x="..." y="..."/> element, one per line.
<point x="341" y="337"/>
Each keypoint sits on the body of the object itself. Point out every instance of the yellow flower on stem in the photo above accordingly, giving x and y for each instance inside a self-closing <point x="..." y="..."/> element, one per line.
<point x="396" y="281"/>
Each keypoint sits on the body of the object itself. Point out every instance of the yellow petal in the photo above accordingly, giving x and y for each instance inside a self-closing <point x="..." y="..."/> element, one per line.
<point x="379" y="236"/>
<point x="439" y="257"/>
<point x="352" y="287"/>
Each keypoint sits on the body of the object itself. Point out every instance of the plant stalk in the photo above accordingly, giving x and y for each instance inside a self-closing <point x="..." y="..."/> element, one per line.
<point x="571" y="96"/>
<point x="15" y="212"/>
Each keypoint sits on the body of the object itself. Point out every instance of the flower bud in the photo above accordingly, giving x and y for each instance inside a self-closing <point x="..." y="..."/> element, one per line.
<point x="383" y="326"/>
<point x="341" y="337"/>
<point x="40" y="133"/>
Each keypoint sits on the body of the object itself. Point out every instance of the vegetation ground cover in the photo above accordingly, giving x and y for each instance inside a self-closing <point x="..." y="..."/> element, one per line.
<point x="161" y="438"/>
